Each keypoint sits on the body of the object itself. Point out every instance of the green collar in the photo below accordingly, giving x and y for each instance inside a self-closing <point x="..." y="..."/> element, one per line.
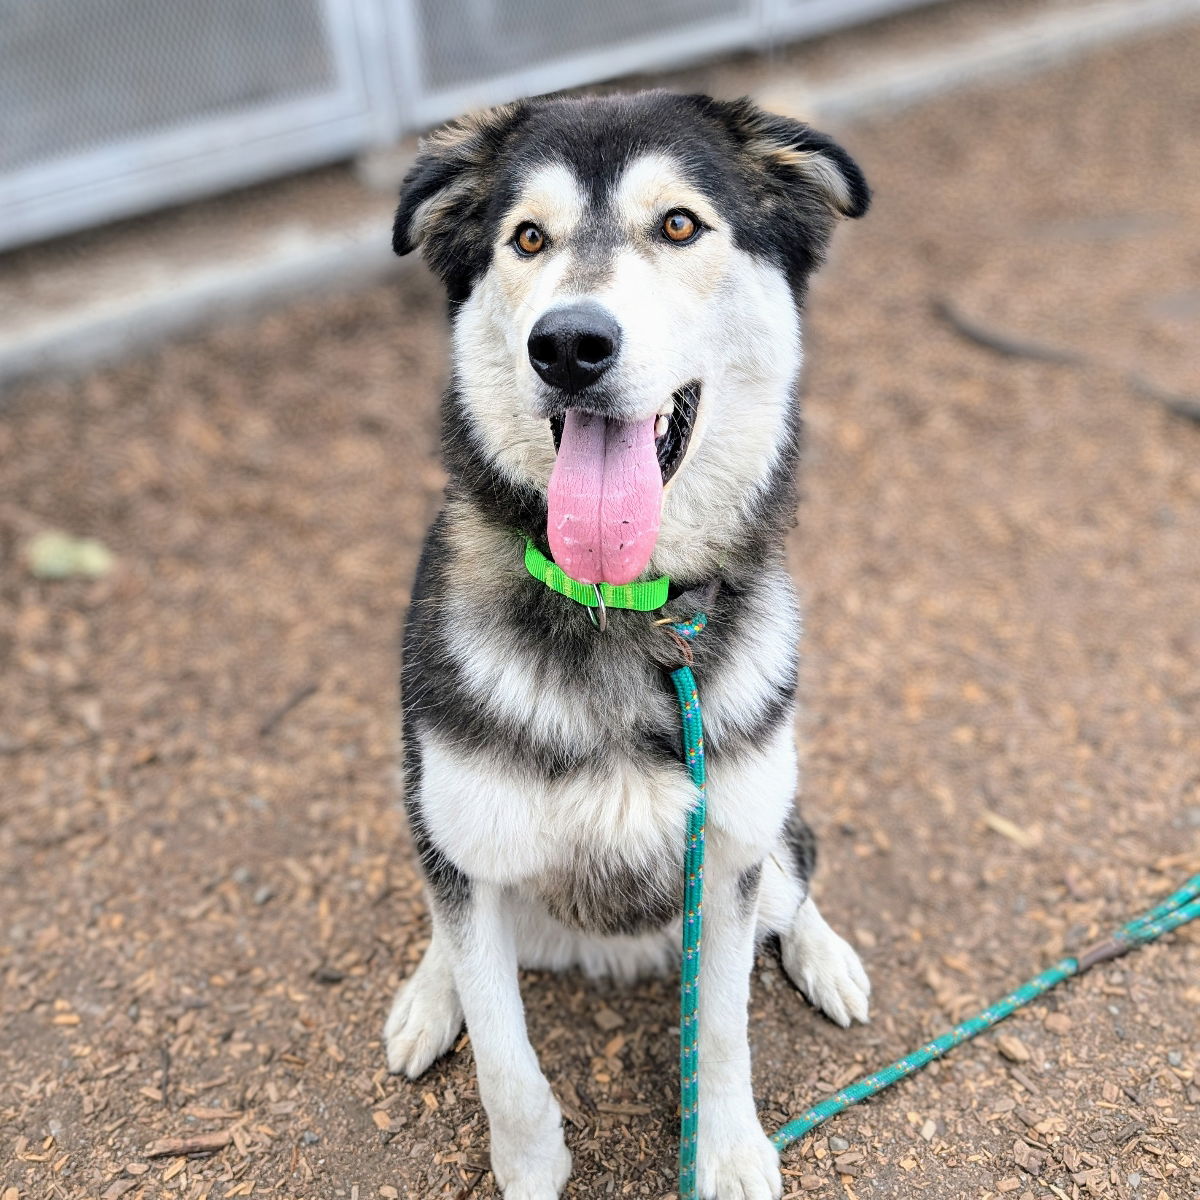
<point x="646" y="595"/>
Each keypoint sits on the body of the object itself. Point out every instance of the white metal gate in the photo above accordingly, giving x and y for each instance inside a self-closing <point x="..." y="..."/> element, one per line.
<point x="463" y="54"/>
<point x="454" y="55"/>
<point x="112" y="107"/>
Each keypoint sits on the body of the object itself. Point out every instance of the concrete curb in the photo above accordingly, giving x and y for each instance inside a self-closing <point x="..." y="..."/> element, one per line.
<point x="105" y="332"/>
<point x="357" y="254"/>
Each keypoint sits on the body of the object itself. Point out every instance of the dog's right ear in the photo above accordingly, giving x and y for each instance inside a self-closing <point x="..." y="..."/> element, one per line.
<point x="443" y="198"/>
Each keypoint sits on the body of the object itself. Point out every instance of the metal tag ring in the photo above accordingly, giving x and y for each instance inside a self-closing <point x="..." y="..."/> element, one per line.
<point x="601" y="621"/>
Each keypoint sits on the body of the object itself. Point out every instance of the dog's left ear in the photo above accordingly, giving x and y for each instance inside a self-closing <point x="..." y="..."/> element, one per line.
<point x="795" y="155"/>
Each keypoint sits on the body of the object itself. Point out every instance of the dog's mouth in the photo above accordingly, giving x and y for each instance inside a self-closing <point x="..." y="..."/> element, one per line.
<point x="604" y="499"/>
<point x="672" y="428"/>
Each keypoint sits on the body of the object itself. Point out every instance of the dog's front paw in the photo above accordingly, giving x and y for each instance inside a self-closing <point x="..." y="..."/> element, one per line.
<point x="825" y="968"/>
<point x="545" y="1185"/>
<point x="530" y="1159"/>
<point x="744" y="1168"/>
<point x="425" y="1019"/>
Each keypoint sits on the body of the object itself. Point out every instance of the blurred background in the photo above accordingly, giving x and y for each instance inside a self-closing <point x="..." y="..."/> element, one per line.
<point x="218" y="458"/>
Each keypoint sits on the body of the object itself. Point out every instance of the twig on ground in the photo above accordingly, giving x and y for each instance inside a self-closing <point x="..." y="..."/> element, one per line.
<point x="999" y="341"/>
<point x="1011" y="346"/>
<point x="44" y="746"/>
<point x="1009" y="829"/>
<point x="284" y="709"/>
<point x="470" y="1187"/>
<point x="166" y="1074"/>
<point x="1184" y="406"/>
<point x="195" y="1143"/>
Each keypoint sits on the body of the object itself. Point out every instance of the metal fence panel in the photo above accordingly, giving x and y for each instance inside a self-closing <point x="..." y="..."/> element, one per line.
<point x="463" y="54"/>
<point x="111" y="107"/>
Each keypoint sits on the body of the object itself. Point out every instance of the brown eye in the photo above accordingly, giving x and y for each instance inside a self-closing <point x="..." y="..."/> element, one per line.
<point x="680" y="226"/>
<point x="530" y="239"/>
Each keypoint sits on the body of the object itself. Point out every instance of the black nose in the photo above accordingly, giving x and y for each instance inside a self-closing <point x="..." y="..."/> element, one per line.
<point x="571" y="347"/>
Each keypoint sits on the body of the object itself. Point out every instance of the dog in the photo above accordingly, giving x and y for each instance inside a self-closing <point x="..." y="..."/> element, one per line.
<point x="625" y="277"/>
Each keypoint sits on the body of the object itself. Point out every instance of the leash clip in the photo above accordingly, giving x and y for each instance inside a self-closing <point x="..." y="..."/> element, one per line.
<point x="1110" y="948"/>
<point x="601" y="621"/>
<point x="684" y="646"/>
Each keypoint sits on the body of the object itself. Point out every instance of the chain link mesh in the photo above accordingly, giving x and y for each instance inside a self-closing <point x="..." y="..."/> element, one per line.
<point x="75" y="76"/>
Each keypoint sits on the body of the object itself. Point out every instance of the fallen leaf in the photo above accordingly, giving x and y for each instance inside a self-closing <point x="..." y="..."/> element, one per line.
<point x="57" y="555"/>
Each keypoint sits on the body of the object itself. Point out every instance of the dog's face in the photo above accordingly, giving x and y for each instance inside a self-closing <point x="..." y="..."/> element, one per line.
<point x="625" y="274"/>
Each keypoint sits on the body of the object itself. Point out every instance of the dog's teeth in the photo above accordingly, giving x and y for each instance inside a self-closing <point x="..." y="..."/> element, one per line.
<point x="660" y="426"/>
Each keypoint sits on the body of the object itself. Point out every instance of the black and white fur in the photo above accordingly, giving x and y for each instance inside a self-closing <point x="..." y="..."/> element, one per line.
<point x="545" y="784"/>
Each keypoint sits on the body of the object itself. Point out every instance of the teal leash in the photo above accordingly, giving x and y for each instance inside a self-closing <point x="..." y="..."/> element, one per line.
<point x="693" y="911"/>
<point x="1176" y="910"/>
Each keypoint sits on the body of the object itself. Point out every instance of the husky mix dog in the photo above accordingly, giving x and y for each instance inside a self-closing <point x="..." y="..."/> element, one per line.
<point x="625" y="276"/>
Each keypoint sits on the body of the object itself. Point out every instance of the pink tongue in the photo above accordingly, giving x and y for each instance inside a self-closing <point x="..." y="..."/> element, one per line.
<point x="605" y="495"/>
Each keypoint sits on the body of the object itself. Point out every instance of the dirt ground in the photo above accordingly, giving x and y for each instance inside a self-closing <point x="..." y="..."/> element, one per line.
<point x="207" y="895"/>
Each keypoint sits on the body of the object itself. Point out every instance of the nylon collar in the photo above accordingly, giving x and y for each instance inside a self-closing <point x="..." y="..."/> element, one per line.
<point x="646" y="595"/>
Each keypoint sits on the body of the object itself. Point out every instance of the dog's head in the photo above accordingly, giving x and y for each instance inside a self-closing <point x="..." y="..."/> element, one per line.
<point x="625" y="275"/>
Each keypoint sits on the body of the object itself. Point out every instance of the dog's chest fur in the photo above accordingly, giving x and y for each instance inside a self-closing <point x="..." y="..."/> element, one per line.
<point x="550" y="754"/>
<point x="598" y="845"/>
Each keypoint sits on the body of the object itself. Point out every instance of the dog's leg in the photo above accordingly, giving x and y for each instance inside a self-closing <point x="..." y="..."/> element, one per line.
<point x="736" y="1160"/>
<point x="529" y="1157"/>
<point x="818" y="962"/>
<point x="426" y="1015"/>
<point x="824" y="966"/>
